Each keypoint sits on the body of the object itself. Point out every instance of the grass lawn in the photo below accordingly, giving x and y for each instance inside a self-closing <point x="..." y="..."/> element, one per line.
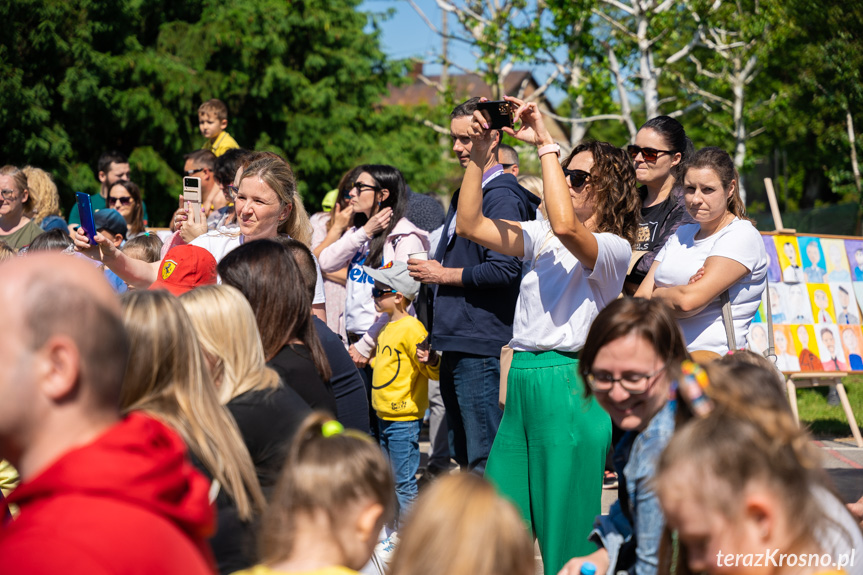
<point x="824" y="419"/>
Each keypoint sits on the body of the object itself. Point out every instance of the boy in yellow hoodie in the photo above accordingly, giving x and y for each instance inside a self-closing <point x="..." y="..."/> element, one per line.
<point x="402" y="366"/>
<point x="212" y="121"/>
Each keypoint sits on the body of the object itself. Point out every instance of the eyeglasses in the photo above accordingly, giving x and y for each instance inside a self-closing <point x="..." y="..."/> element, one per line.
<point x="8" y="194"/>
<point x="376" y="292"/>
<point x="193" y="172"/>
<point x="123" y="200"/>
<point x="233" y="190"/>
<point x="576" y="177"/>
<point x="361" y="187"/>
<point x="649" y="154"/>
<point x="633" y="383"/>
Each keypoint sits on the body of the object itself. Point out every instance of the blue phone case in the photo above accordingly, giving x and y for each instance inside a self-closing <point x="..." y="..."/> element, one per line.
<point x="85" y="211"/>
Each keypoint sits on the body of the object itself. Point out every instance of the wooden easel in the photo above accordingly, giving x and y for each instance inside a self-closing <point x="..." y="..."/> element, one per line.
<point x="822" y="378"/>
<point x="811" y="379"/>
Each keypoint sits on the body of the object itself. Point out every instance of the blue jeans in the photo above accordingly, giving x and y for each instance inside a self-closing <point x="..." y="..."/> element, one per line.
<point x="470" y="388"/>
<point x="401" y="442"/>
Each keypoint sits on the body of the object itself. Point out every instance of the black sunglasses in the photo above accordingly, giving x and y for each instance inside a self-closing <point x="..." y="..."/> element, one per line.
<point x="193" y="172"/>
<point x="576" y="177"/>
<point x="649" y="154"/>
<point x="376" y="292"/>
<point x="124" y="200"/>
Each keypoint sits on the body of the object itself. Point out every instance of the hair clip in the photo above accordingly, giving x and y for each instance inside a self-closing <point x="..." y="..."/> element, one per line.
<point x="693" y="386"/>
<point x="331" y="428"/>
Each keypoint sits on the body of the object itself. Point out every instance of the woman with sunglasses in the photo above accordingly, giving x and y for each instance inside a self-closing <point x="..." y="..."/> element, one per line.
<point x="720" y="256"/>
<point x="16" y="229"/>
<point x="660" y="150"/>
<point x="578" y="259"/>
<point x="125" y="197"/>
<point x="379" y="235"/>
<point x="633" y="353"/>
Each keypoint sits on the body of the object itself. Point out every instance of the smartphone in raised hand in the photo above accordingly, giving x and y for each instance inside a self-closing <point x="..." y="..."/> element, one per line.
<point x="85" y="211"/>
<point x="499" y="112"/>
<point x="192" y="194"/>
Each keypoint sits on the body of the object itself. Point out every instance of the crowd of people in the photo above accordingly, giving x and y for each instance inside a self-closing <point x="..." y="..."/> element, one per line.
<point x="245" y="392"/>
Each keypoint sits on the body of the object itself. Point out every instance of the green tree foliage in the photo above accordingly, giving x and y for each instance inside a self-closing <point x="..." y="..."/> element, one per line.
<point x="299" y="78"/>
<point x="817" y="65"/>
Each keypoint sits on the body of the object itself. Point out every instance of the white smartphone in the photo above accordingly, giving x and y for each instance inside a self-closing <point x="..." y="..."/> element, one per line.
<point x="192" y="194"/>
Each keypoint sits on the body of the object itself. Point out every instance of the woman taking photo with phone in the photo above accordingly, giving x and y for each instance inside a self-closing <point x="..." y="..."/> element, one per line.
<point x="267" y="204"/>
<point x="721" y="252"/>
<point x="578" y="259"/>
<point x="661" y="147"/>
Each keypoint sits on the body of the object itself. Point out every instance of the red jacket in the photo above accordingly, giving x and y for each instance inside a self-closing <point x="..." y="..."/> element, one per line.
<point x="129" y="502"/>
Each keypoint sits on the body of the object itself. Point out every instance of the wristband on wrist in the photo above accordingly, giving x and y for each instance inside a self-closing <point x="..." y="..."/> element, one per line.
<point x="548" y="149"/>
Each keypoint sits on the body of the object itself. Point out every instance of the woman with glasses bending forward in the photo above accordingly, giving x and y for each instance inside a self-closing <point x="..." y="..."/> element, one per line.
<point x="578" y="259"/>
<point x="633" y="353"/>
<point x="721" y="252"/>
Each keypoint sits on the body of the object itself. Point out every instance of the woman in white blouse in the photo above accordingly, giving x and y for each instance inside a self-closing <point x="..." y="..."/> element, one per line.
<point x="721" y="252"/>
<point x="578" y="260"/>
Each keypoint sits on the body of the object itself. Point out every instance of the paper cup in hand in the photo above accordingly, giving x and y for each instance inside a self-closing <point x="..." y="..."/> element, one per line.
<point x="418" y="256"/>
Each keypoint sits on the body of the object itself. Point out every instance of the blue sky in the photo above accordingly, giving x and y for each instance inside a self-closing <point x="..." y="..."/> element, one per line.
<point x="405" y="35"/>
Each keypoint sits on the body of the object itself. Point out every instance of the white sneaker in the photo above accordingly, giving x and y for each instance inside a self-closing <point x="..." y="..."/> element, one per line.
<point x="382" y="553"/>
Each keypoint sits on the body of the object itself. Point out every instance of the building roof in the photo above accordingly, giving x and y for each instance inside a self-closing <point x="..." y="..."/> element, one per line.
<point x="468" y="86"/>
<point x="464" y="86"/>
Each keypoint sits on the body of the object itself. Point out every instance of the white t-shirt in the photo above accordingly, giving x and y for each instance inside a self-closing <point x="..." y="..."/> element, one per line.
<point x="683" y="255"/>
<point x="559" y="298"/>
<point x="840" y="534"/>
<point x="222" y="241"/>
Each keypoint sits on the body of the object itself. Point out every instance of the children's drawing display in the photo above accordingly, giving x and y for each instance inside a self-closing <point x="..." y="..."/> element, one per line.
<point x="816" y="293"/>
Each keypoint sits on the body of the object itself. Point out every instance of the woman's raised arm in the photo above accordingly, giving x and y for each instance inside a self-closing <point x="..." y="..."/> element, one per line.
<point x="138" y="273"/>
<point x="558" y="203"/>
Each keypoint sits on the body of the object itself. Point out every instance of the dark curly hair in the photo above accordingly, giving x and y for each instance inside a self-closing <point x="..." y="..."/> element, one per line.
<point x="613" y="187"/>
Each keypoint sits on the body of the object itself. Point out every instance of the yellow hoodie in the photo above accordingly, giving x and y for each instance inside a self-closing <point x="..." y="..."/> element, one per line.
<point x="400" y="382"/>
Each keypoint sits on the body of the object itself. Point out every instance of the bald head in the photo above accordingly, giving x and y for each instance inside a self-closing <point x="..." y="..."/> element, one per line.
<point x="50" y="297"/>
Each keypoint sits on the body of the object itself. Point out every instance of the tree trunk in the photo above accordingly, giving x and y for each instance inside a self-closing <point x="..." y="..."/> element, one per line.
<point x="738" y="87"/>
<point x="625" y="107"/>
<point x="649" y="80"/>
<point x="579" y="129"/>
<point x="855" y="169"/>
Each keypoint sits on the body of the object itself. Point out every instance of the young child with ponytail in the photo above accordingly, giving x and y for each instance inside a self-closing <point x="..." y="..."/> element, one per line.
<point x="742" y="486"/>
<point x="331" y="501"/>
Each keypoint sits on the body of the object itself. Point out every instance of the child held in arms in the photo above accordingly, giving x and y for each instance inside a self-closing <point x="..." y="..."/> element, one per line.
<point x="402" y="365"/>
<point x="212" y="121"/>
